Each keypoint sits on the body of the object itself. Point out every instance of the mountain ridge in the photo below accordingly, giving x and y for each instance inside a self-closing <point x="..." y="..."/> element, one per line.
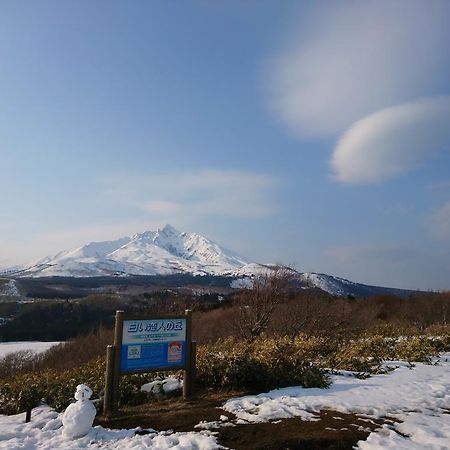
<point x="161" y="252"/>
<point x="168" y="251"/>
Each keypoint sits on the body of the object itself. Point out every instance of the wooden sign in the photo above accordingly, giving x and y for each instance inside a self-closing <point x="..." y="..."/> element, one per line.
<point x="153" y="344"/>
<point x="146" y="344"/>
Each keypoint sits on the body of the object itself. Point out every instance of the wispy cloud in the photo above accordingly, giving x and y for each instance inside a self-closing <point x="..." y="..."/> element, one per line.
<point x="392" y="141"/>
<point x="360" y="67"/>
<point x="346" y="60"/>
<point x="174" y="195"/>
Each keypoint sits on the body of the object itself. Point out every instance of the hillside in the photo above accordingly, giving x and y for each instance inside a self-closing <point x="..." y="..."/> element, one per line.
<point x="166" y="257"/>
<point x="165" y="251"/>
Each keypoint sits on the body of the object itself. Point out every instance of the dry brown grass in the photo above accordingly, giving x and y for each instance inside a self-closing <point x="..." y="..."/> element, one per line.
<point x="77" y="351"/>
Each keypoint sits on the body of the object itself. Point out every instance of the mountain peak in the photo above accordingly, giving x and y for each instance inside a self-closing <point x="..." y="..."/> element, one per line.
<point x="145" y="235"/>
<point x="169" y="229"/>
<point x="161" y="252"/>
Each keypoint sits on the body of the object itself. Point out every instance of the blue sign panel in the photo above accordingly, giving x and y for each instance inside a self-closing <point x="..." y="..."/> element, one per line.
<point x="153" y="344"/>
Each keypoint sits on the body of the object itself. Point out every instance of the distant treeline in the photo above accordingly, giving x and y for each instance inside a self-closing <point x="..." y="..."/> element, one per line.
<point x="70" y="287"/>
<point x="52" y="320"/>
<point x="242" y="314"/>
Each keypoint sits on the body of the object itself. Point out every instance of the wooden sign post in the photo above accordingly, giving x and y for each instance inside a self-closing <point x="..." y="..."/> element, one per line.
<point x="146" y="344"/>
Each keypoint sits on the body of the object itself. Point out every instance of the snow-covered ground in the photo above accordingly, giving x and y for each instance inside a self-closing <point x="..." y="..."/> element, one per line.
<point x="9" y="289"/>
<point x="418" y="432"/>
<point x="44" y="432"/>
<point x="415" y="399"/>
<point x="418" y="396"/>
<point x="34" y="346"/>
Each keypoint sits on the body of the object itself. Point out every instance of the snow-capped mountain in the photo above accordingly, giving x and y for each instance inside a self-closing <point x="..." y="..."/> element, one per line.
<point x="162" y="252"/>
<point x="168" y="251"/>
<point x="328" y="283"/>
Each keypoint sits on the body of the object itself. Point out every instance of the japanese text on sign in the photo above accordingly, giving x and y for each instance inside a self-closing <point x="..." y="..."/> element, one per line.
<point x="153" y="344"/>
<point x="154" y="326"/>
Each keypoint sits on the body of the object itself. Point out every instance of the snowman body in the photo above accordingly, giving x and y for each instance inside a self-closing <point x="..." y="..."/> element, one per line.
<point x="79" y="416"/>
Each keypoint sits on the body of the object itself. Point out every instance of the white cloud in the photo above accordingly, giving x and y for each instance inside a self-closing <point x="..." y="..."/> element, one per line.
<point x="172" y="196"/>
<point x="439" y="223"/>
<point x="346" y="60"/>
<point x="392" y="141"/>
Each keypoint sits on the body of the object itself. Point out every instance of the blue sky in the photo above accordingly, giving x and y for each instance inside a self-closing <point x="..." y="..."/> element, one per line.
<point x="309" y="133"/>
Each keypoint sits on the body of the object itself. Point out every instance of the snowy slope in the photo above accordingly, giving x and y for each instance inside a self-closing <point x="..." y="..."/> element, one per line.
<point x="342" y="287"/>
<point x="328" y="283"/>
<point x="168" y="251"/>
<point x="161" y="252"/>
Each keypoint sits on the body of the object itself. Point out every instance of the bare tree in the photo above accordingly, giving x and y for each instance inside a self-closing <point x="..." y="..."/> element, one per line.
<point x="256" y="305"/>
<point x="311" y="311"/>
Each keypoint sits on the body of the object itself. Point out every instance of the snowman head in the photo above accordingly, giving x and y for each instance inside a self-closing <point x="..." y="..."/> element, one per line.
<point x="83" y="392"/>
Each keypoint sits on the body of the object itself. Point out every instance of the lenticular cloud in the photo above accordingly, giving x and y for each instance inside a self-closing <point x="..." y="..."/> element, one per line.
<point x="392" y="141"/>
<point x="345" y="60"/>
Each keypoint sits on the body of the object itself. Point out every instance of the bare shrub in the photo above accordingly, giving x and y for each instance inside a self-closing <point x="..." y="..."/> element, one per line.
<point x="77" y="351"/>
<point x="17" y="362"/>
<point x="426" y="309"/>
<point x="257" y="305"/>
<point x="211" y="325"/>
<point x="311" y="311"/>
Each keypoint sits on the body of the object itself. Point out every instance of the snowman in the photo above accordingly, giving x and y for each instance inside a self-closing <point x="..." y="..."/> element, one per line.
<point x="79" y="416"/>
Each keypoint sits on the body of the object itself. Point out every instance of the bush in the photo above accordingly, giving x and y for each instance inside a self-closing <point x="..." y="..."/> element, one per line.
<point x="361" y="355"/>
<point x="366" y="354"/>
<point x="251" y="365"/>
<point x="415" y="348"/>
<point x="17" y="362"/>
<point x="54" y="388"/>
<point x="261" y="364"/>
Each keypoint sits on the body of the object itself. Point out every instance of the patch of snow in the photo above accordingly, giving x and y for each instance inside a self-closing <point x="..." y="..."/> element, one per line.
<point x="419" y="396"/>
<point x="422" y="388"/>
<point x="43" y="433"/>
<point x="252" y="269"/>
<point x="34" y="346"/>
<point x="241" y="283"/>
<point x="332" y="285"/>
<point x="163" y="386"/>
<point x="9" y="289"/>
<point x="416" y="432"/>
<point x="214" y="425"/>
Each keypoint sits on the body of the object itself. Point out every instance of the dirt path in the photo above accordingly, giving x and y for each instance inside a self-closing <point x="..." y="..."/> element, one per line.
<point x="333" y="431"/>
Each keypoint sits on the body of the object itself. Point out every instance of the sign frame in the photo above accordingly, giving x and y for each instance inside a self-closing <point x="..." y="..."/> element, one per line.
<point x="168" y="317"/>
<point x="114" y="358"/>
